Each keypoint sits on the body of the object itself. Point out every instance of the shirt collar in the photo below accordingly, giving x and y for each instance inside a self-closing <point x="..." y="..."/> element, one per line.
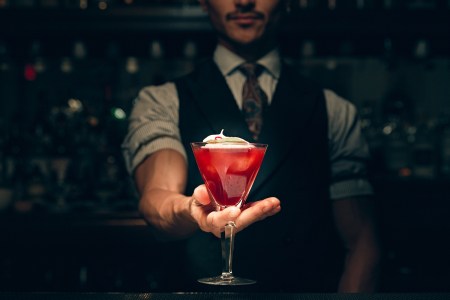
<point x="228" y="61"/>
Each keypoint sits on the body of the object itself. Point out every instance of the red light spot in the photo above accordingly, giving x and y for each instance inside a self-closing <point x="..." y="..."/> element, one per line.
<point x="30" y="73"/>
<point x="405" y="172"/>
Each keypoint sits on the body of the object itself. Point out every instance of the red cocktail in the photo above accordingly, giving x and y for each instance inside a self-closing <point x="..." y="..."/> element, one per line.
<point x="229" y="170"/>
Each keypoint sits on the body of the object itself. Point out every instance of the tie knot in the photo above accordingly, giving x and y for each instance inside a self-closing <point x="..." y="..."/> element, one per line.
<point x="251" y="69"/>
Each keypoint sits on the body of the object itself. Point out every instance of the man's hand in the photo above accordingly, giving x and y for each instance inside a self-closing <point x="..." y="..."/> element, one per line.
<point x="203" y="211"/>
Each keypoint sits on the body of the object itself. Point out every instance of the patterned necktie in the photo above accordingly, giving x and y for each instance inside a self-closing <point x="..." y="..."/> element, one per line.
<point x="254" y="100"/>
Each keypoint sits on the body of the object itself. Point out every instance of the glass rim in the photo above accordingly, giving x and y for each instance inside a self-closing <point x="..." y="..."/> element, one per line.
<point x="232" y="143"/>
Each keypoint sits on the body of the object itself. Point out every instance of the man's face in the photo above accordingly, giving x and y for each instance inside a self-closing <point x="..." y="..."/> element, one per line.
<point x="243" y="22"/>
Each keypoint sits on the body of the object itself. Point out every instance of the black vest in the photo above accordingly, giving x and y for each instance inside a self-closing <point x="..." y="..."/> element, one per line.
<point x="296" y="249"/>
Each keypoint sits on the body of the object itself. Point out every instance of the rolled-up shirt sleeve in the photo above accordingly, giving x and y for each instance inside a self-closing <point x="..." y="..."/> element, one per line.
<point x="349" y="152"/>
<point x="153" y="125"/>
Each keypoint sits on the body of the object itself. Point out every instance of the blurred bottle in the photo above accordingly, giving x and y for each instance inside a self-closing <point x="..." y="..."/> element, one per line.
<point x="397" y="148"/>
<point x="80" y="174"/>
<point x="107" y="165"/>
<point x="15" y="153"/>
<point x="63" y="120"/>
<point x="156" y="50"/>
<point x="104" y="4"/>
<point x="19" y="179"/>
<point x="60" y="115"/>
<point x="308" y="49"/>
<point x="36" y="81"/>
<point x="421" y="49"/>
<point x="422" y="53"/>
<point x="190" y="50"/>
<point x="6" y="188"/>
<point x="389" y="54"/>
<point x="308" y="4"/>
<point x="332" y="4"/>
<point x="29" y="83"/>
<point x="59" y="166"/>
<point x="9" y="80"/>
<point x="36" y="188"/>
<point x="372" y="131"/>
<point x="109" y="178"/>
<point x="189" y="56"/>
<point x="157" y="65"/>
<point x="424" y="151"/>
<point x="76" y="4"/>
<point x="128" y="78"/>
<point x="38" y="86"/>
<point x="399" y="134"/>
<point x="79" y="50"/>
<point x="119" y="90"/>
<point x="17" y="148"/>
<point x="41" y="139"/>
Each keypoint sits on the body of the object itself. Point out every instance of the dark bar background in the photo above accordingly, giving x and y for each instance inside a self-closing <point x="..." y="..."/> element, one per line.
<point x="70" y="69"/>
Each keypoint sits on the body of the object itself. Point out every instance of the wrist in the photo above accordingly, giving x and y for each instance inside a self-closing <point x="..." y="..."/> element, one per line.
<point x="187" y="209"/>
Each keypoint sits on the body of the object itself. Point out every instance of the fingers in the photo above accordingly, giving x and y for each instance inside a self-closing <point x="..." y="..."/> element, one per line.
<point x="211" y="220"/>
<point x="214" y="221"/>
<point x="257" y="211"/>
<point x="218" y="219"/>
<point x="254" y="212"/>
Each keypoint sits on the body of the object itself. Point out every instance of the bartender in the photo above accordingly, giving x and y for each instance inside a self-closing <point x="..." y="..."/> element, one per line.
<point x="309" y="226"/>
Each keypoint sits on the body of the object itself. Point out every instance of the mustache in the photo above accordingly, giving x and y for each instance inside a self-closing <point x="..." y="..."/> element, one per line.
<point x="250" y="14"/>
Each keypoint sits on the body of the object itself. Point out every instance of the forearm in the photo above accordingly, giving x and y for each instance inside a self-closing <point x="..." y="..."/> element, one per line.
<point x="167" y="212"/>
<point x="361" y="269"/>
<point x="355" y="221"/>
<point x="161" y="180"/>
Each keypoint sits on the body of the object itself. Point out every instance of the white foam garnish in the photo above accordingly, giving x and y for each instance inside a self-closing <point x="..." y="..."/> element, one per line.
<point x="222" y="139"/>
<point x="228" y="146"/>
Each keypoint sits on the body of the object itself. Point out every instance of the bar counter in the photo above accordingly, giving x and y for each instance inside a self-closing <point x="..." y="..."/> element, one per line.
<point x="227" y="296"/>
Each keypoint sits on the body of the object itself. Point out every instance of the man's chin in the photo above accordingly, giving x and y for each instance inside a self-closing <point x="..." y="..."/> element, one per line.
<point x="244" y="35"/>
<point x="246" y="41"/>
<point x="241" y="42"/>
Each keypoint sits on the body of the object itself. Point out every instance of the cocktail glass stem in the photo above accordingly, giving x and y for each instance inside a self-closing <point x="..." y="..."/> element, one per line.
<point x="227" y="241"/>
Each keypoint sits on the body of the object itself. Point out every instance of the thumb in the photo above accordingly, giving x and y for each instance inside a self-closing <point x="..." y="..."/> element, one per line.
<point x="201" y="195"/>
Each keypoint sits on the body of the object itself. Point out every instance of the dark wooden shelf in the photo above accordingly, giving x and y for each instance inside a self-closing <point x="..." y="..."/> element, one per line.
<point x="32" y="21"/>
<point x="192" y="19"/>
<point x="93" y="229"/>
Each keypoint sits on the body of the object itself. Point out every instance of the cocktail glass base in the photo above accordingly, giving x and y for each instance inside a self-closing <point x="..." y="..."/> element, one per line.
<point x="222" y="280"/>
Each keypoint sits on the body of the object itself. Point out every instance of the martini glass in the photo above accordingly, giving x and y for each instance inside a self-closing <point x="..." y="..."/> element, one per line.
<point x="228" y="170"/>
